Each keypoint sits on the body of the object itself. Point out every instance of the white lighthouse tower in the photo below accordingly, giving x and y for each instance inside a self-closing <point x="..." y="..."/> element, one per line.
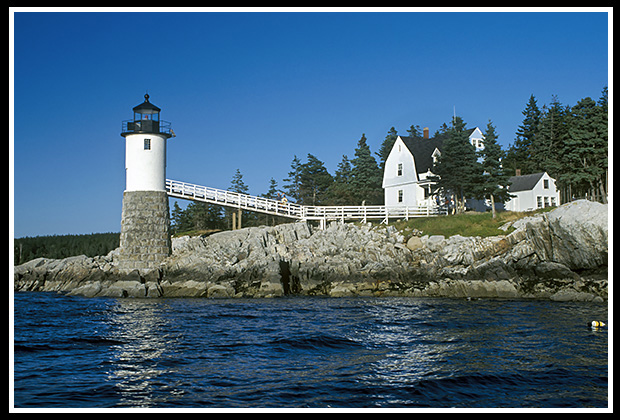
<point x="145" y="148"/>
<point x="145" y="224"/>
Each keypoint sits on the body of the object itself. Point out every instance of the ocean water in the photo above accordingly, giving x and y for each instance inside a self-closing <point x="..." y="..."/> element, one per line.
<point x="307" y="352"/>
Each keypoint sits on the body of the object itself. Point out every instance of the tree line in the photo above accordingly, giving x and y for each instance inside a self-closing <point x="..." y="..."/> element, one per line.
<point x="63" y="246"/>
<point x="569" y="142"/>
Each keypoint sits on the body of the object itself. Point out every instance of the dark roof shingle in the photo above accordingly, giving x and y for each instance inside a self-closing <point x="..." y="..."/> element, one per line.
<point x="422" y="150"/>
<point x="524" y="182"/>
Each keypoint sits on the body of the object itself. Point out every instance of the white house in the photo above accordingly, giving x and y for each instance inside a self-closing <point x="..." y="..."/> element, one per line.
<point x="532" y="192"/>
<point x="410" y="163"/>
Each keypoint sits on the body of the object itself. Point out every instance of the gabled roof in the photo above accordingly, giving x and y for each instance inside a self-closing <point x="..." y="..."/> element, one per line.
<point x="422" y="150"/>
<point x="470" y="131"/>
<point x="524" y="182"/>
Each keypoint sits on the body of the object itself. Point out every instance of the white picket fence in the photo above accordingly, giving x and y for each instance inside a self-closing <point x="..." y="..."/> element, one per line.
<point x="179" y="189"/>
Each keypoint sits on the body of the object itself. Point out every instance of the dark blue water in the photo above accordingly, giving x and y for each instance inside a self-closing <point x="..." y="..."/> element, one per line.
<point x="307" y="352"/>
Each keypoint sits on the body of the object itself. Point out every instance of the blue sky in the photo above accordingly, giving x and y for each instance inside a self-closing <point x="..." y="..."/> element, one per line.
<point x="249" y="91"/>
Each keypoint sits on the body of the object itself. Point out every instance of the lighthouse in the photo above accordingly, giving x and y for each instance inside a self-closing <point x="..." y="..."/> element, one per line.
<point x="145" y="220"/>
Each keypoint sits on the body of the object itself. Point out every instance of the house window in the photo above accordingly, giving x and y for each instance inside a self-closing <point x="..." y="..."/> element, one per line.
<point x="546" y="201"/>
<point x="546" y="184"/>
<point x="400" y="196"/>
<point x="147" y="144"/>
<point x="553" y="202"/>
<point x="539" y="202"/>
<point x="400" y="169"/>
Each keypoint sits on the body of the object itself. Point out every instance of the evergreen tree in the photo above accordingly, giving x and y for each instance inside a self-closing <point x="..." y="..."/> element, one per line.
<point x="386" y="147"/>
<point x="601" y="122"/>
<point x="273" y="191"/>
<point x="237" y="185"/>
<point x="315" y="182"/>
<point x="457" y="171"/>
<point x="414" y="131"/>
<point x="586" y="148"/>
<point x="366" y="175"/>
<point x="494" y="182"/>
<point x="207" y="216"/>
<point x="548" y="141"/>
<point x="341" y="191"/>
<point x="519" y="154"/>
<point x="197" y="216"/>
<point x="442" y="130"/>
<point x="244" y="218"/>
<point x="293" y="188"/>
<point x="179" y="220"/>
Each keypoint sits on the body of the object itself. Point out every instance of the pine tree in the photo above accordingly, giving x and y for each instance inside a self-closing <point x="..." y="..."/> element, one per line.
<point x="600" y="123"/>
<point x="341" y="191"/>
<point x="293" y="187"/>
<point x="548" y="141"/>
<point x="587" y="147"/>
<point x="315" y="181"/>
<point x="414" y="131"/>
<point x="366" y="176"/>
<point x="494" y="183"/>
<point x="442" y="130"/>
<point x="519" y="154"/>
<point x="457" y="171"/>
<point x="386" y="147"/>
<point x="273" y="191"/>
<point x="237" y="185"/>
<point x="176" y="218"/>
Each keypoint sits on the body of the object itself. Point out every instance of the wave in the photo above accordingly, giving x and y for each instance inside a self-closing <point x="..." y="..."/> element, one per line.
<point x="317" y="342"/>
<point x="31" y="348"/>
<point x="98" y="341"/>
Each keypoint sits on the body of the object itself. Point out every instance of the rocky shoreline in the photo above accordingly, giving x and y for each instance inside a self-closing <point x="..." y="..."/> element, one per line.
<point x="561" y="255"/>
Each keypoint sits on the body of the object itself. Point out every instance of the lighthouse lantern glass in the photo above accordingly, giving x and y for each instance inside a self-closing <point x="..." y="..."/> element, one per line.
<point x="146" y="115"/>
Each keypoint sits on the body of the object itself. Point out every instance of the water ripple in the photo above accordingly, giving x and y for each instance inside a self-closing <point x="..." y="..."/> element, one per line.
<point x="307" y="352"/>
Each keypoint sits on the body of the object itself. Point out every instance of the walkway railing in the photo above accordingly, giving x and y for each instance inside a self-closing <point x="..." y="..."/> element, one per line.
<point x="179" y="189"/>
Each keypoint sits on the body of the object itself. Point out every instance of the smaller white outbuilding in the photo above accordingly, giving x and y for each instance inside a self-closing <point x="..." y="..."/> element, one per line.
<point x="533" y="191"/>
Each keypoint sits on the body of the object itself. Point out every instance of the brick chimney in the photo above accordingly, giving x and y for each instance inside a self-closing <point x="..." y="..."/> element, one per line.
<point x="425" y="132"/>
<point x="517" y="172"/>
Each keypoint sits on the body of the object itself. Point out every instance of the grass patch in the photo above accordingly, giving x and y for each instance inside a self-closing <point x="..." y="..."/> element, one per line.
<point x="467" y="224"/>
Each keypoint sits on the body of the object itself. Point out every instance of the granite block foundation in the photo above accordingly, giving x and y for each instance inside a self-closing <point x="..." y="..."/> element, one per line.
<point x="145" y="231"/>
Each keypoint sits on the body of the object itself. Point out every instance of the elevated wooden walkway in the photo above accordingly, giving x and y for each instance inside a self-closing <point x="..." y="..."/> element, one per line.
<point x="179" y="189"/>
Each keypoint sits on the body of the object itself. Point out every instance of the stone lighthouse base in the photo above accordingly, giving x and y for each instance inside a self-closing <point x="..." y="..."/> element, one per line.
<point x="145" y="230"/>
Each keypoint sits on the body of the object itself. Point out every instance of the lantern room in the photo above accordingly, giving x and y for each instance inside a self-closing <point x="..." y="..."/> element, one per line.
<point x="146" y="121"/>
